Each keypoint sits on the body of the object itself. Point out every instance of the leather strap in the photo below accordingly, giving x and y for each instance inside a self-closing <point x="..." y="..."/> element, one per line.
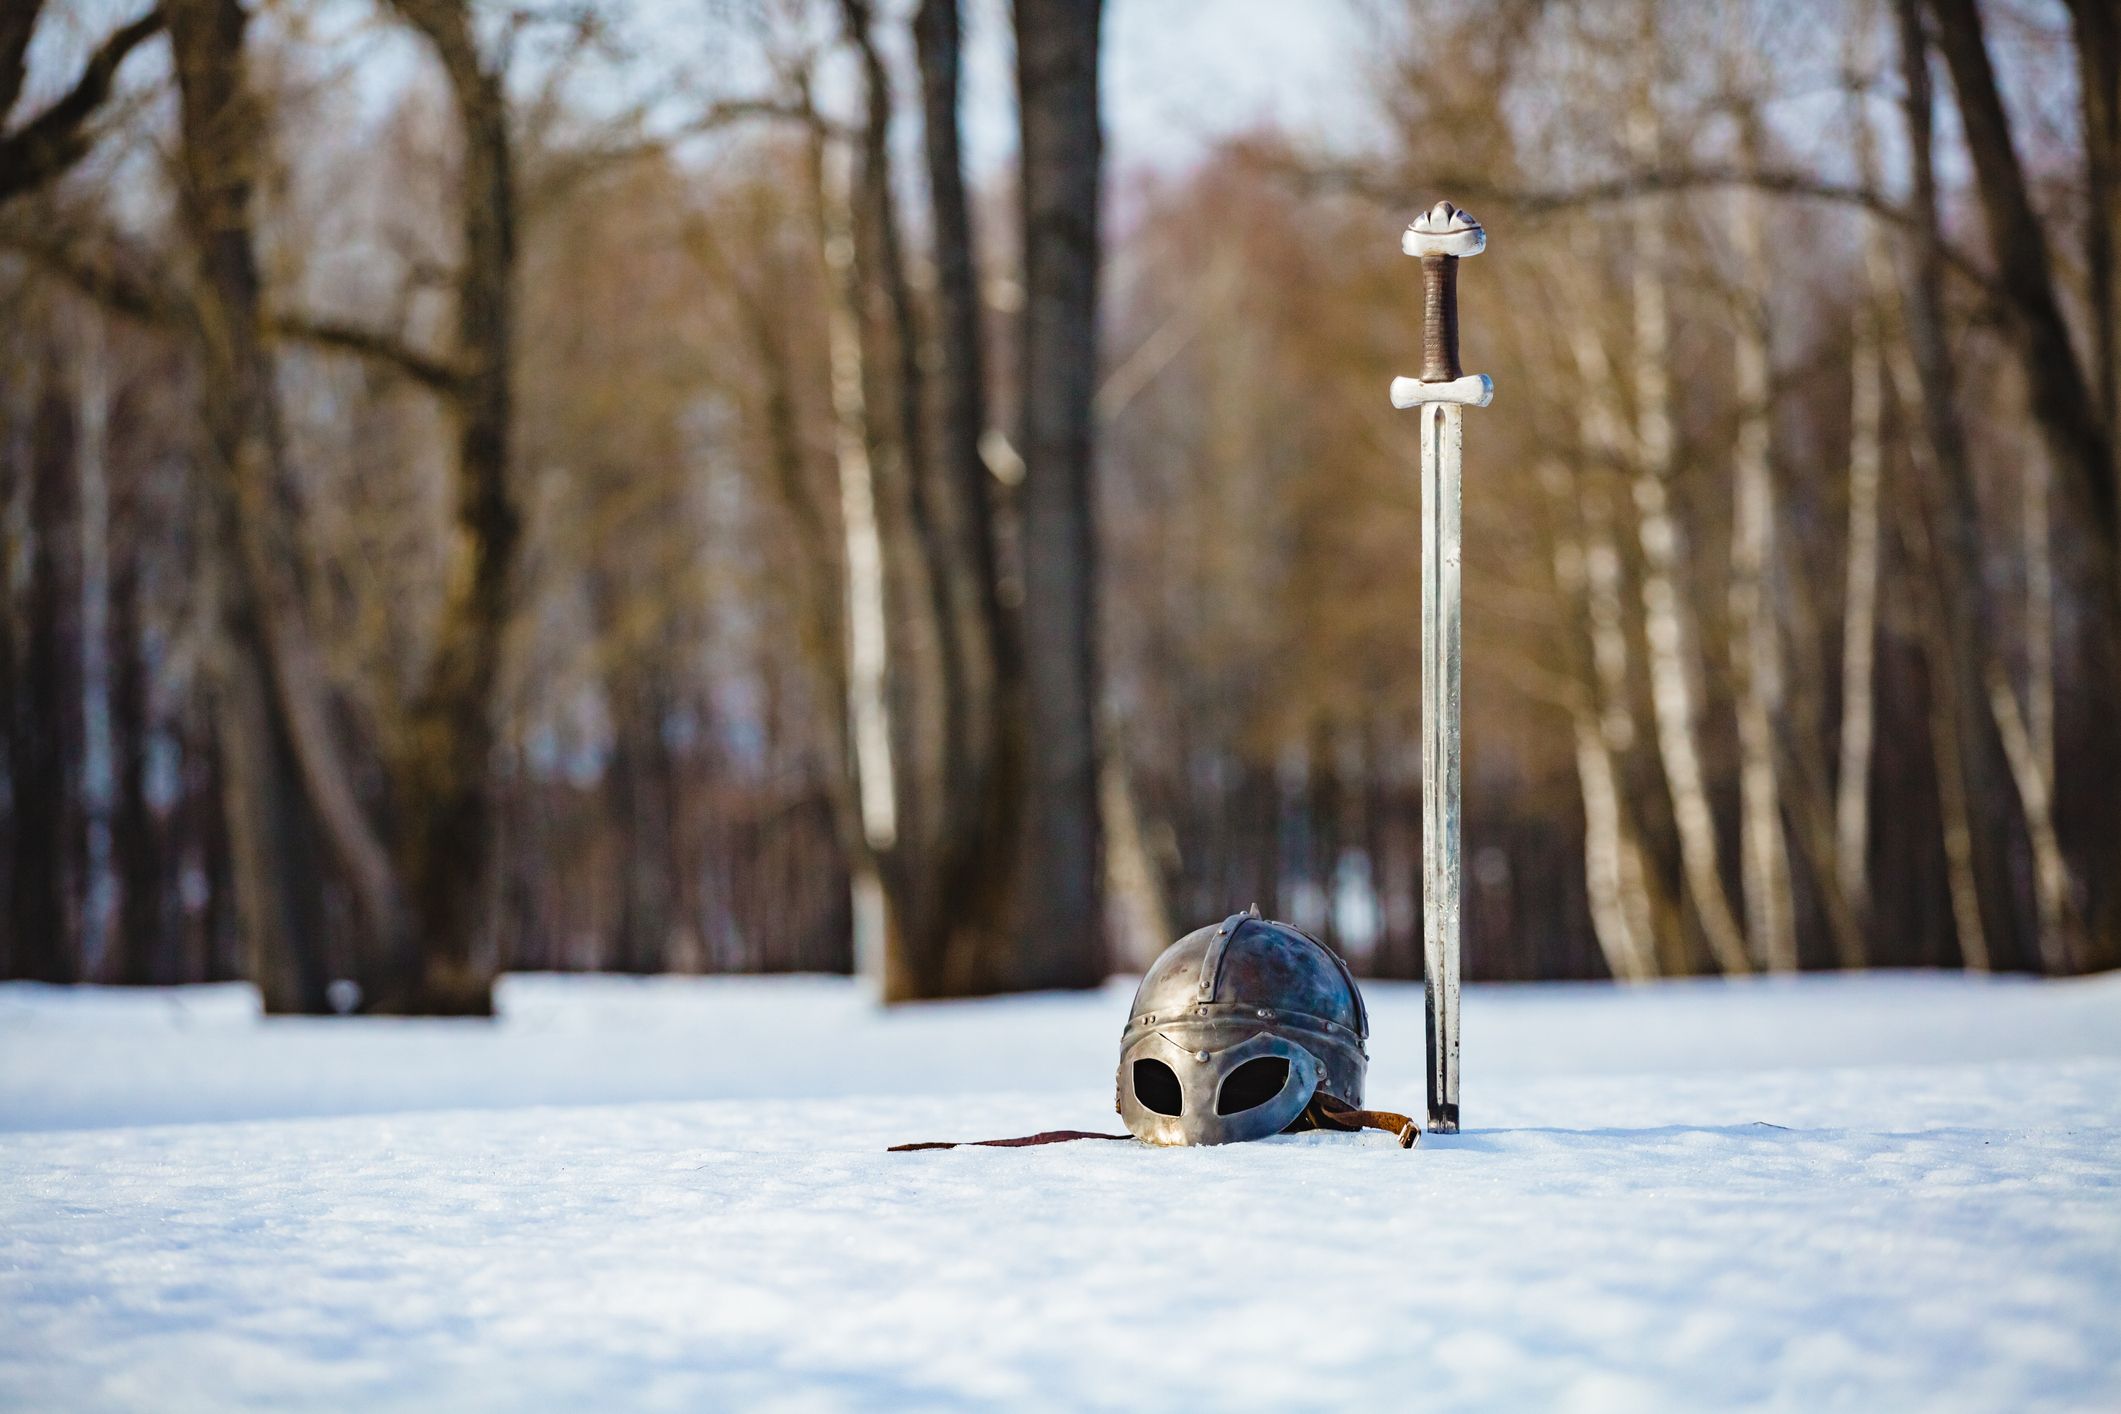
<point x="1325" y="1112"/>
<point x="1051" y="1136"/>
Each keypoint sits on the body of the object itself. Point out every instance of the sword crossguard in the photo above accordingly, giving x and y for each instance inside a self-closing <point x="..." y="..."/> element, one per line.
<point x="1475" y="390"/>
<point x="1440" y="237"/>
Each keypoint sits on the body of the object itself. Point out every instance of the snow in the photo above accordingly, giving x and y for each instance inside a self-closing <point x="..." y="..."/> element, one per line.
<point x="1883" y="1191"/>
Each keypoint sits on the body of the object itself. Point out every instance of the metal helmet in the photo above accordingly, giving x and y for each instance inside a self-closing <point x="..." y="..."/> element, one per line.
<point x="1234" y="1029"/>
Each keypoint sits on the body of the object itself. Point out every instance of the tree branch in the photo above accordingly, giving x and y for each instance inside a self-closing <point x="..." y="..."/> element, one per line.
<point x="566" y="169"/>
<point x="1534" y="203"/>
<point x="17" y="22"/>
<point x="140" y="297"/>
<point x="57" y="138"/>
<point x="370" y="346"/>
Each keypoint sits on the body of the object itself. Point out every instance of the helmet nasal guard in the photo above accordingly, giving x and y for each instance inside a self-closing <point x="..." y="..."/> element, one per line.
<point x="1234" y="1030"/>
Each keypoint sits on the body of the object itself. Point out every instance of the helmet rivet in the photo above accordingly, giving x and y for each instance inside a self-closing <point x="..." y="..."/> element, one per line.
<point x="1265" y="1014"/>
<point x="1200" y="1055"/>
<point x="1200" y="1011"/>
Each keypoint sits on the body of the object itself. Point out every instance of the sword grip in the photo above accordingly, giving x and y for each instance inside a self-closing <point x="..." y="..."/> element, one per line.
<point x="1439" y="335"/>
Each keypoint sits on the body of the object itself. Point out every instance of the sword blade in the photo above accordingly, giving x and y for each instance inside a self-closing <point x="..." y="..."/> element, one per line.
<point x="1442" y="443"/>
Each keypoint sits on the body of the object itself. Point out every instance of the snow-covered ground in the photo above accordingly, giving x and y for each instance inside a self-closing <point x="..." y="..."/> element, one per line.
<point x="1877" y="1192"/>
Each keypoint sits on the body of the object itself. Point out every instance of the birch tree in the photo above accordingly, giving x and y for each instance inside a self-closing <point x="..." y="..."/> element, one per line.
<point x="1755" y="648"/>
<point x="1866" y="476"/>
<point x="1663" y="561"/>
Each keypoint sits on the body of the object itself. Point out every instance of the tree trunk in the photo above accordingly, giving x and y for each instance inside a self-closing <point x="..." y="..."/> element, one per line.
<point x="2052" y="888"/>
<point x="1859" y="637"/>
<point x="1061" y="941"/>
<point x="1142" y="919"/>
<point x="1859" y="632"/>
<point x="1948" y="742"/>
<point x="1755" y="652"/>
<point x="2063" y="404"/>
<point x="1627" y="945"/>
<point x="270" y="807"/>
<point x="2073" y="407"/>
<point x="137" y="844"/>
<point x="1617" y="871"/>
<point x="45" y="774"/>
<point x="2075" y="410"/>
<point x="868" y="644"/>
<point x="1957" y="552"/>
<point x="2028" y="736"/>
<point x="444" y="773"/>
<point x="640" y="781"/>
<point x="941" y="671"/>
<point x="1663" y="608"/>
<point x="2098" y="36"/>
<point x="12" y="687"/>
<point x="987" y="818"/>
<point x="278" y="876"/>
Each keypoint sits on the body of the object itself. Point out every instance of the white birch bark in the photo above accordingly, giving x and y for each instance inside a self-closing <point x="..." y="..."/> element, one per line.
<point x="1664" y="615"/>
<point x="1604" y="435"/>
<point x="1958" y="834"/>
<point x="1755" y="656"/>
<point x="868" y="644"/>
<point x="1627" y="948"/>
<point x="1960" y="884"/>
<point x="2032" y="757"/>
<point x="1131" y="881"/>
<point x="1627" y="952"/>
<point x="2051" y="881"/>
<point x="1859" y="638"/>
<point x="2039" y="615"/>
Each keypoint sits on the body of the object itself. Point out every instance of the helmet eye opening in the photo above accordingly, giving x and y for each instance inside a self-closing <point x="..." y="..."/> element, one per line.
<point x="1252" y="1085"/>
<point x="1156" y="1086"/>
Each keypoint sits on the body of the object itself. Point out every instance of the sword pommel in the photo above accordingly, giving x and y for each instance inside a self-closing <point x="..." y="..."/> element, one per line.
<point x="1441" y="237"/>
<point x="1444" y="230"/>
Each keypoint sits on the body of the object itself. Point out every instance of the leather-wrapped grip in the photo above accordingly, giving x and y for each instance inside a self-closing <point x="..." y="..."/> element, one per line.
<point x="1439" y="339"/>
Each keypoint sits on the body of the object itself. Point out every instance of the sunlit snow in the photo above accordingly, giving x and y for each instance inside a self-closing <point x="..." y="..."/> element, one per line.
<point x="1867" y="1192"/>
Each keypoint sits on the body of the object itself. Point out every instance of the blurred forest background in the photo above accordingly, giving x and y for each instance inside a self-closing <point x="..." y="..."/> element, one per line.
<point x="483" y="488"/>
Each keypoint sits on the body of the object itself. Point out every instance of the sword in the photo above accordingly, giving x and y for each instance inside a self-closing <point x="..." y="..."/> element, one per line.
<point x="1441" y="237"/>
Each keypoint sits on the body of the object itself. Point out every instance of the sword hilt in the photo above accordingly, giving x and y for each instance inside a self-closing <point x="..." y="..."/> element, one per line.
<point x="1439" y="309"/>
<point x="1441" y="237"/>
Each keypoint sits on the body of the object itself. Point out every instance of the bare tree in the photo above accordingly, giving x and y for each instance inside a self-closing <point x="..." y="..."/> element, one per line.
<point x="1859" y="618"/>
<point x="1756" y="654"/>
<point x="1664" y="610"/>
<point x="443" y="774"/>
<point x="1057" y="88"/>
<point x="42" y="148"/>
<point x="1588" y="560"/>
<point x="1966" y="642"/>
<point x="46" y="737"/>
<point x="867" y="634"/>
<point x="2098" y="38"/>
<point x="988" y="816"/>
<point x="138" y="842"/>
<point x="2064" y="398"/>
<point x="273" y="825"/>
